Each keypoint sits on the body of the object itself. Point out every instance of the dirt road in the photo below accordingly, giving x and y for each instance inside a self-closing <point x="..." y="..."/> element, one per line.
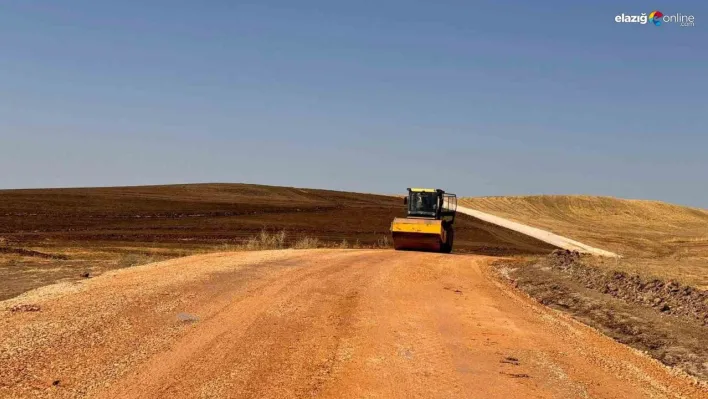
<point x="324" y="323"/>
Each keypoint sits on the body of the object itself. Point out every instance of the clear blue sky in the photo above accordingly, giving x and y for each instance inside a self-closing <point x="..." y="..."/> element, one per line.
<point x="480" y="98"/>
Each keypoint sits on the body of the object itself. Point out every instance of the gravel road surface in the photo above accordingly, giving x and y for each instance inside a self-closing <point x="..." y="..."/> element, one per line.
<point x="311" y="323"/>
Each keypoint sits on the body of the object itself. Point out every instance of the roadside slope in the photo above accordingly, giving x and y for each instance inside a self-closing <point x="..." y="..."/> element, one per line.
<point x="312" y="323"/>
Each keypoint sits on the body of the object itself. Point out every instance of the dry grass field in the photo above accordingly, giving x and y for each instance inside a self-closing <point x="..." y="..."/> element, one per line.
<point x="655" y="238"/>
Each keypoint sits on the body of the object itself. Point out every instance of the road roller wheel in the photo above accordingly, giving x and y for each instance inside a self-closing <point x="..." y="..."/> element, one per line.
<point x="446" y="247"/>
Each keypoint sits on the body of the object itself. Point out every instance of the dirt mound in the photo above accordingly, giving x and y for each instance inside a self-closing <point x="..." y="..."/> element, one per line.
<point x="670" y="297"/>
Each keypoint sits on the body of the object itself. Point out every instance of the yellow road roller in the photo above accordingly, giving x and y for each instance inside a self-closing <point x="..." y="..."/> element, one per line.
<point x="428" y="226"/>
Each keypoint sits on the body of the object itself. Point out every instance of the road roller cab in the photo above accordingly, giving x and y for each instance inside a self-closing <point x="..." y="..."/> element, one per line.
<point x="428" y="225"/>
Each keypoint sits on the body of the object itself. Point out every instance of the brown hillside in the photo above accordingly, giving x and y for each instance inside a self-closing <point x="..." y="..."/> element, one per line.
<point x="93" y="229"/>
